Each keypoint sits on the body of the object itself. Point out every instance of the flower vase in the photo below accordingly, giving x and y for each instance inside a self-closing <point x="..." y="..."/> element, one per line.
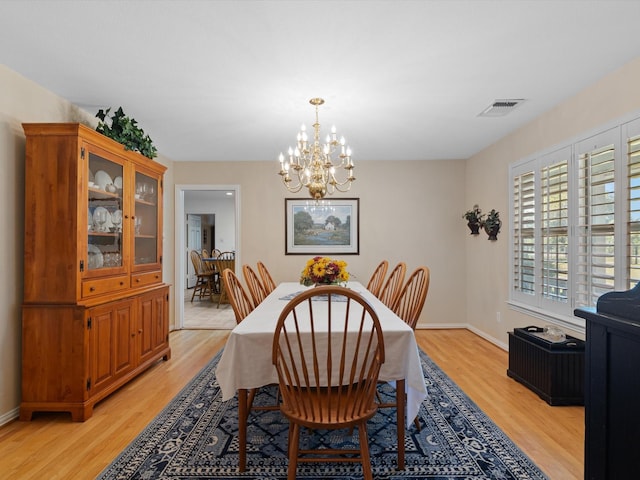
<point x="474" y="227"/>
<point x="492" y="232"/>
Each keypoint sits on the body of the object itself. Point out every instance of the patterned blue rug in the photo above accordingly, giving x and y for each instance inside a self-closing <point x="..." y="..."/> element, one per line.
<point x="195" y="437"/>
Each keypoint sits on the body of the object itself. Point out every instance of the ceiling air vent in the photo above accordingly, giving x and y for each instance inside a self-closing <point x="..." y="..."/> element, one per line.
<point x="500" y="108"/>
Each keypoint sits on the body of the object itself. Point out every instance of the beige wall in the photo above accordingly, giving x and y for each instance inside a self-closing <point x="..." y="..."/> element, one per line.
<point x="414" y="218"/>
<point x="487" y="274"/>
<point x="417" y="218"/>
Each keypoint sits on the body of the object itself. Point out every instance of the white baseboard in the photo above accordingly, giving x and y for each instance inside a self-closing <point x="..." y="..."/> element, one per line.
<point x="471" y="328"/>
<point x="488" y="338"/>
<point x="9" y="416"/>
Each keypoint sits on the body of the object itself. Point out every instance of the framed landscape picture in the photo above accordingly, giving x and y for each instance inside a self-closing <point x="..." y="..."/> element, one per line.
<point x="322" y="227"/>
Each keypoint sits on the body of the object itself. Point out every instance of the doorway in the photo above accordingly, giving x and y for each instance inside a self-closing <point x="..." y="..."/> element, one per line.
<point x="208" y="200"/>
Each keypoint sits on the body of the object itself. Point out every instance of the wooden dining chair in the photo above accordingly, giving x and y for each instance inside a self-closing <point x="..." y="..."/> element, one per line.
<point x="267" y="282"/>
<point x="238" y="297"/>
<point x="328" y="378"/>
<point x="207" y="266"/>
<point x="204" y="279"/>
<point x="377" y="278"/>
<point x="254" y="285"/>
<point x="408" y="307"/>
<point x="409" y="304"/>
<point x="391" y="289"/>
<point x="242" y="306"/>
<point x="224" y="260"/>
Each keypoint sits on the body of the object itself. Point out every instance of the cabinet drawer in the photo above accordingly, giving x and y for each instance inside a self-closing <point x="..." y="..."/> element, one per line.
<point x="106" y="285"/>
<point x="147" y="278"/>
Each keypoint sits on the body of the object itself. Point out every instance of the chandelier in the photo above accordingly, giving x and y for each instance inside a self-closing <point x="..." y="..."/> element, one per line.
<point x="310" y="164"/>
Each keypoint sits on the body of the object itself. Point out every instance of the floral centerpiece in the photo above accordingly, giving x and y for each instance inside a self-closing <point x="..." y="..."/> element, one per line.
<point x="325" y="271"/>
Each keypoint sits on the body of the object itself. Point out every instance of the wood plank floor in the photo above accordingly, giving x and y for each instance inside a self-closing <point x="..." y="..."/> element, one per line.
<point x="53" y="447"/>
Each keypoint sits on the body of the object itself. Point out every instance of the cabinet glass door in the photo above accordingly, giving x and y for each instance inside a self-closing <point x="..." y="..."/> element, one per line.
<point x="104" y="213"/>
<point x="145" y="220"/>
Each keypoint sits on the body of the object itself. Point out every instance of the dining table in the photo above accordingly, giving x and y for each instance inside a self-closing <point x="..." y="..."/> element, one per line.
<point x="246" y="361"/>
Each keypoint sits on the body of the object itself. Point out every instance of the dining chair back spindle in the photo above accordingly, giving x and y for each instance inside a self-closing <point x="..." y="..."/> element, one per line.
<point x="267" y="281"/>
<point x="377" y="278"/>
<point x="391" y="290"/>
<point x="254" y="285"/>
<point x="328" y="349"/>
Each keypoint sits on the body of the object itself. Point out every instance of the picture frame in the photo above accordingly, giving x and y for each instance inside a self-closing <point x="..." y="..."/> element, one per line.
<point x="322" y="227"/>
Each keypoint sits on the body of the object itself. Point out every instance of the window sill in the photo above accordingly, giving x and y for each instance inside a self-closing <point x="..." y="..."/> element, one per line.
<point x="569" y="322"/>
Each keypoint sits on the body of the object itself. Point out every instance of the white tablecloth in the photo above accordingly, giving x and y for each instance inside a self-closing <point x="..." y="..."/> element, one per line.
<point x="246" y="359"/>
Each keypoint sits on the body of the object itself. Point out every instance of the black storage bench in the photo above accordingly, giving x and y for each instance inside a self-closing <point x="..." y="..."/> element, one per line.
<point x="553" y="370"/>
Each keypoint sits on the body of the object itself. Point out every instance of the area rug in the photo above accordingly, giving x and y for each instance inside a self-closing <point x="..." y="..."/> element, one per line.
<point x="195" y="437"/>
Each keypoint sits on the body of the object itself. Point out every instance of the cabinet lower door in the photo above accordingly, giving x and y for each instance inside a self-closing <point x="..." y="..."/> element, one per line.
<point x="153" y="322"/>
<point x="111" y="343"/>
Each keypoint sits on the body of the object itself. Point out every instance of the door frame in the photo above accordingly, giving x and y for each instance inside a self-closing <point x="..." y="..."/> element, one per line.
<point x="180" y="240"/>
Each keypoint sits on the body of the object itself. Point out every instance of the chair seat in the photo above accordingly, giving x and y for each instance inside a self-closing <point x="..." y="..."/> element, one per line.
<point x="323" y="406"/>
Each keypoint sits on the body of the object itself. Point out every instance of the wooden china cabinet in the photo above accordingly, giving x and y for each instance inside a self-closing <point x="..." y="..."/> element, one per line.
<point x="95" y="311"/>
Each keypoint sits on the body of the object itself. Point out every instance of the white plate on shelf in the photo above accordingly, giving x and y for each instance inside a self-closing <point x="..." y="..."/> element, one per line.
<point x="95" y="258"/>
<point x="118" y="182"/>
<point x="102" y="179"/>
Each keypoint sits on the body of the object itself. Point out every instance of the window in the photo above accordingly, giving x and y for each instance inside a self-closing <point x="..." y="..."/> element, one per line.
<point x="523" y="237"/>
<point x="554" y="231"/>
<point x="634" y="211"/>
<point x="575" y="221"/>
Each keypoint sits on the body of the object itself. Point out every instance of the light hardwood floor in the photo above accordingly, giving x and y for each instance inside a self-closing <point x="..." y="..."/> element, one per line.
<point x="53" y="447"/>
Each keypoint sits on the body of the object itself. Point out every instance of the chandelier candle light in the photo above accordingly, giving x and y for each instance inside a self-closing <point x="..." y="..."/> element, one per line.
<point x="312" y="164"/>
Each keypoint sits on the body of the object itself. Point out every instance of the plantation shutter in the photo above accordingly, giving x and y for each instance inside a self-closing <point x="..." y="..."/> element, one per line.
<point x="524" y="233"/>
<point x="595" y="225"/>
<point x="634" y="212"/>
<point x="554" y="231"/>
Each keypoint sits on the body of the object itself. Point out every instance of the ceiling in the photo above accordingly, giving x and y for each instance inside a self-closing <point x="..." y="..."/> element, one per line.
<point x="402" y="80"/>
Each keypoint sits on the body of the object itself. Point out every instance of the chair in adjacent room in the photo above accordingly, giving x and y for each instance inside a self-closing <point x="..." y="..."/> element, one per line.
<point x="257" y="291"/>
<point x="377" y="278"/>
<point x="267" y="282"/>
<point x="224" y="260"/>
<point x="391" y="289"/>
<point x="204" y="279"/>
<point x="328" y="385"/>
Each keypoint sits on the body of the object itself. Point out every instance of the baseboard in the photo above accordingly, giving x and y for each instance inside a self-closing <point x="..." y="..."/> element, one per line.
<point x="488" y="338"/>
<point x="9" y="416"/>
<point x="471" y="328"/>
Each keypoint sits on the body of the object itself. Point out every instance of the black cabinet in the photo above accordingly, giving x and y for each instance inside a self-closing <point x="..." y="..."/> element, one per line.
<point x="612" y="387"/>
<point x="553" y="370"/>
